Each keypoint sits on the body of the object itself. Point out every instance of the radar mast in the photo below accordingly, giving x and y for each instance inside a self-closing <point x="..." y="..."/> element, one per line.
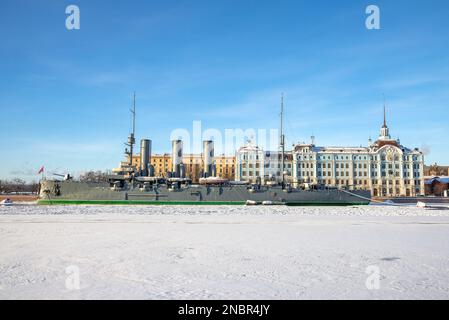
<point x="131" y="138"/>
<point x="282" y="140"/>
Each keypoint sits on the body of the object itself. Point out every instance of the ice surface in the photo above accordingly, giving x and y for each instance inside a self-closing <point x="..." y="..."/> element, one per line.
<point x="223" y="252"/>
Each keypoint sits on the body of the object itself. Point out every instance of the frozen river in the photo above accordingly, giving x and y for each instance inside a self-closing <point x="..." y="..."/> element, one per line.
<point x="201" y="252"/>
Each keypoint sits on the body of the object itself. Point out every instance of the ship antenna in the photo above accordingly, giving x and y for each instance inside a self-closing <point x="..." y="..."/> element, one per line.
<point x="134" y="113"/>
<point x="282" y="142"/>
<point x="131" y="139"/>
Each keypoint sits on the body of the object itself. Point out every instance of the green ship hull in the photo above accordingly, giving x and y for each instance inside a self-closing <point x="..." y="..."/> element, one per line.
<point x="79" y="193"/>
<point x="206" y="203"/>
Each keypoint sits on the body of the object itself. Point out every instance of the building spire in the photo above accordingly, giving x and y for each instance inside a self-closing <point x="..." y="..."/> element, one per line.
<point x="384" y="131"/>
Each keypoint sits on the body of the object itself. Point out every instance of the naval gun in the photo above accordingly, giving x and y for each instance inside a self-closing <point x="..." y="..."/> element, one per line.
<point x="65" y="177"/>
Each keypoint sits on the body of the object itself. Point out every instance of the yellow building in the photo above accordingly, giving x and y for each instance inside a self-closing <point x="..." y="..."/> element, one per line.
<point x="193" y="164"/>
<point x="225" y="167"/>
<point x="161" y="164"/>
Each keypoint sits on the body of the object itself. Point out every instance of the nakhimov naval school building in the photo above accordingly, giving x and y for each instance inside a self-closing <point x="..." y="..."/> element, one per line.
<point x="385" y="167"/>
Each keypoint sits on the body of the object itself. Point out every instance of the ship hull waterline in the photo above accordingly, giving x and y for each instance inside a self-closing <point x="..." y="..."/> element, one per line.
<point x="78" y="193"/>
<point x="193" y="203"/>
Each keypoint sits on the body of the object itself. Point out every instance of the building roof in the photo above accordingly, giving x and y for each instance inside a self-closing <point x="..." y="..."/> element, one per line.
<point x="343" y="149"/>
<point x="249" y="147"/>
<point x="383" y="140"/>
<point x="334" y="149"/>
<point x="443" y="179"/>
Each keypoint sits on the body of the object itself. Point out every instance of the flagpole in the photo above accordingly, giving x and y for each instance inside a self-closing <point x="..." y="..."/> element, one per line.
<point x="41" y="171"/>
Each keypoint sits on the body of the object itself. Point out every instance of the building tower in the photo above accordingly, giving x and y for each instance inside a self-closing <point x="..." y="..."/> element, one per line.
<point x="384" y="131"/>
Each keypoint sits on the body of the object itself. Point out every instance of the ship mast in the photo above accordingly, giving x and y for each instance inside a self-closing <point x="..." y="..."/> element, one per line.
<point x="282" y="140"/>
<point x="131" y="138"/>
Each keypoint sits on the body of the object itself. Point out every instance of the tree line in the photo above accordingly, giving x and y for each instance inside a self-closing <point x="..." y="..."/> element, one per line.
<point x="17" y="185"/>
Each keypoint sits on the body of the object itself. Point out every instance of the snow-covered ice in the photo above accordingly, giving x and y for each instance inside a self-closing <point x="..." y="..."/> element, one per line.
<point x="201" y="252"/>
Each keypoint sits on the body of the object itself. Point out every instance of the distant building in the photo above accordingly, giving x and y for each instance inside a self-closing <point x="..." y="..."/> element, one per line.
<point x="162" y="163"/>
<point x="437" y="186"/>
<point x="225" y="167"/>
<point x="193" y="164"/>
<point x="385" y="167"/>
<point x="253" y="164"/>
<point x="436" y="170"/>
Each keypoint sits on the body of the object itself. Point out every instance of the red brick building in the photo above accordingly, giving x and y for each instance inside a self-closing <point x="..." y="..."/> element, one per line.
<point x="437" y="186"/>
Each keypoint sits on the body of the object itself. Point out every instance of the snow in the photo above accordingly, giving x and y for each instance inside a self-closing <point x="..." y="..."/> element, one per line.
<point x="220" y="252"/>
<point x="438" y="179"/>
<point x="443" y="179"/>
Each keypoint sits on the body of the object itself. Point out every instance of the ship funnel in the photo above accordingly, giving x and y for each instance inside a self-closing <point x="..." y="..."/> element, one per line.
<point x="176" y="158"/>
<point x="208" y="157"/>
<point x="182" y="170"/>
<point x="145" y="157"/>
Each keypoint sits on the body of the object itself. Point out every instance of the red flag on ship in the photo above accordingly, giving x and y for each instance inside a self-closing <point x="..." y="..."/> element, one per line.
<point x="41" y="170"/>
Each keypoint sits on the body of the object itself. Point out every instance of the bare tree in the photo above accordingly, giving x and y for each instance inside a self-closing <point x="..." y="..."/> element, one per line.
<point x="95" y="176"/>
<point x="18" y="185"/>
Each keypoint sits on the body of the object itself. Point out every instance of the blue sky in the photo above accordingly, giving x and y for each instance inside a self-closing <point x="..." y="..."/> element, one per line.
<point x="64" y="95"/>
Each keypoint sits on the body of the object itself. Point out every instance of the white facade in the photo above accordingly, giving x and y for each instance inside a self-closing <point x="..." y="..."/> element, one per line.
<point x="385" y="167"/>
<point x="253" y="164"/>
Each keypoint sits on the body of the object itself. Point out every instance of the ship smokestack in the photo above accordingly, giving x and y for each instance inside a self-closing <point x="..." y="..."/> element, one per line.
<point x="145" y="157"/>
<point x="176" y="158"/>
<point x="182" y="170"/>
<point x="208" y="157"/>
